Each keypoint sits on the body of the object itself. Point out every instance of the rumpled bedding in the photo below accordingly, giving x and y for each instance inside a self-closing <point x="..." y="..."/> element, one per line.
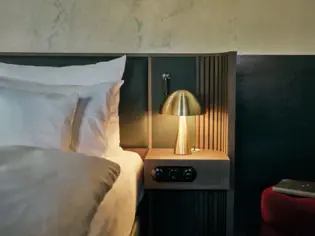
<point x="50" y="192"/>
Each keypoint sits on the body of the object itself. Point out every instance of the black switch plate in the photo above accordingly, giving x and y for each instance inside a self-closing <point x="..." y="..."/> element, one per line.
<point x="174" y="174"/>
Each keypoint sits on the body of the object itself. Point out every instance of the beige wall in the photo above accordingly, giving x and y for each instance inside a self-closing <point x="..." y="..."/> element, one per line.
<point x="171" y="26"/>
<point x="276" y="26"/>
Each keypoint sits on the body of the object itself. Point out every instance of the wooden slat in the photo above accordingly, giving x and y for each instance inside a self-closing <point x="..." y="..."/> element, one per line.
<point x="219" y="87"/>
<point x="211" y="97"/>
<point x="150" y="101"/>
<point x="171" y="216"/>
<point x="202" y="118"/>
<point x="207" y="102"/>
<point x="224" y="105"/>
<point x="231" y="108"/>
<point x="215" y="110"/>
<point x="197" y="120"/>
<point x="223" y="110"/>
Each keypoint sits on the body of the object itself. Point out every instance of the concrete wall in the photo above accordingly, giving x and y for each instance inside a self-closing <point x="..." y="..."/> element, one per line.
<point x="171" y="26"/>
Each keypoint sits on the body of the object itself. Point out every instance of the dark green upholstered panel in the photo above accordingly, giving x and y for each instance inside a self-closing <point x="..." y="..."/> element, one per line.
<point x="134" y="104"/>
<point x="183" y="76"/>
<point x="275" y="127"/>
<point x="134" y="98"/>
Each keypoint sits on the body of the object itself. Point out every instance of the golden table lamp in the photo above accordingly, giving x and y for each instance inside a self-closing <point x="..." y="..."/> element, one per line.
<point x="182" y="103"/>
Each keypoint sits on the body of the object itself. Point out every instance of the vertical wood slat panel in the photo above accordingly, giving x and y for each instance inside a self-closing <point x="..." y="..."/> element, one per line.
<point x="173" y="217"/>
<point x="212" y="89"/>
<point x="220" y="114"/>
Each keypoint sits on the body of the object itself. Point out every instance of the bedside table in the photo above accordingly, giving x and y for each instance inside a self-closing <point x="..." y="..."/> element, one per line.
<point x="187" y="195"/>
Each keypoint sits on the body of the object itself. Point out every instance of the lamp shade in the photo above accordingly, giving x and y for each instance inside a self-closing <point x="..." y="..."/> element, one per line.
<point x="181" y="103"/>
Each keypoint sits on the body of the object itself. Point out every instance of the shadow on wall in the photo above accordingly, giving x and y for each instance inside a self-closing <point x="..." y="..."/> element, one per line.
<point x="275" y="126"/>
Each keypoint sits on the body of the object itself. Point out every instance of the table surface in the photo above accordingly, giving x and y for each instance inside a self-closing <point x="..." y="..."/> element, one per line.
<point x="168" y="154"/>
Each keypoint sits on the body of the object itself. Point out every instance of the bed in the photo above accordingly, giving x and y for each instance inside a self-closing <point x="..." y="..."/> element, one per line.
<point x="62" y="166"/>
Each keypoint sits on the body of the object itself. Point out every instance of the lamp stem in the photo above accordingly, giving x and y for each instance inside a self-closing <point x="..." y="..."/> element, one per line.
<point x="182" y="142"/>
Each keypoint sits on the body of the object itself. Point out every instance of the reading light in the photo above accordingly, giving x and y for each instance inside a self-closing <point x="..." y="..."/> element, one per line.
<point x="181" y="103"/>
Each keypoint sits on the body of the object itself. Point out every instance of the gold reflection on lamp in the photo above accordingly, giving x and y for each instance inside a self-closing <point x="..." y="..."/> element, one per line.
<point x="182" y="103"/>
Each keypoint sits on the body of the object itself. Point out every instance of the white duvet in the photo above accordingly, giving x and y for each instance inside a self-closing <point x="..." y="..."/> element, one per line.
<point x="116" y="213"/>
<point x="51" y="193"/>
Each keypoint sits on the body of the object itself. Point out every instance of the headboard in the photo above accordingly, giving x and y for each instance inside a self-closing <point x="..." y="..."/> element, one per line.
<point x="141" y="125"/>
<point x="211" y="77"/>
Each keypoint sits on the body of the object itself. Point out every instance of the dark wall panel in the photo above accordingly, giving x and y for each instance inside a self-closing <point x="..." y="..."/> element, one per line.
<point x="56" y="60"/>
<point x="134" y="104"/>
<point x="183" y="76"/>
<point x="275" y="126"/>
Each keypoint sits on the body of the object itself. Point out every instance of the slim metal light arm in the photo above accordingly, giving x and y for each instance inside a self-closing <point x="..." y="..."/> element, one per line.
<point x="166" y="77"/>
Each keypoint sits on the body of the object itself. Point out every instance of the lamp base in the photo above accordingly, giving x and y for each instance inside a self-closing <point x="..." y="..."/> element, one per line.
<point x="182" y="142"/>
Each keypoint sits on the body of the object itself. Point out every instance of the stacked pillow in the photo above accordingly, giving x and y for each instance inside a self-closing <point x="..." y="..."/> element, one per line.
<point x="85" y="100"/>
<point x="31" y="119"/>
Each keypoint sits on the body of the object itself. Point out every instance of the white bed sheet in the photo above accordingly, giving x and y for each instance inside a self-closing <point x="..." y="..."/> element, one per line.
<point x="116" y="213"/>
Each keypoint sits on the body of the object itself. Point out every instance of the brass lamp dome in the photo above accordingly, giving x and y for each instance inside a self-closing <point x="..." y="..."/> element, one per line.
<point x="181" y="103"/>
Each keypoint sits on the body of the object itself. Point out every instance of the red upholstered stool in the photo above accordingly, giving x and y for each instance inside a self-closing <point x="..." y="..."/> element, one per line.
<point x="287" y="215"/>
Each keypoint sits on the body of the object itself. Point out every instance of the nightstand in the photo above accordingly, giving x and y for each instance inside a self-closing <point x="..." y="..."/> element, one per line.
<point x="187" y="195"/>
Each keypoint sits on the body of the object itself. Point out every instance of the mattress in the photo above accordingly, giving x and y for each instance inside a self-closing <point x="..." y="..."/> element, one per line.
<point x="116" y="213"/>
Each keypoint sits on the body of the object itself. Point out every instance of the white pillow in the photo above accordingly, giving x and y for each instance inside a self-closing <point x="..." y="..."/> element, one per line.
<point x="110" y="71"/>
<point x="35" y="119"/>
<point x="93" y="131"/>
<point x="91" y="74"/>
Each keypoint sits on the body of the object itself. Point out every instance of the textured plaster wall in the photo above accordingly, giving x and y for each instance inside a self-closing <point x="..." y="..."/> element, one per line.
<point x="171" y="26"/>
<point x="276" y="26"/>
